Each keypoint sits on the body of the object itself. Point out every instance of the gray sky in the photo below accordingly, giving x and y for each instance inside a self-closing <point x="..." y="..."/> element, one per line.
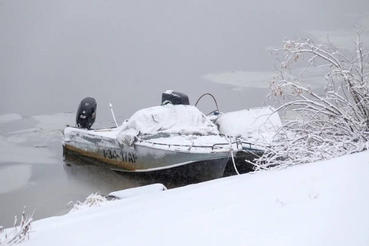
<point x="54" y="53"/>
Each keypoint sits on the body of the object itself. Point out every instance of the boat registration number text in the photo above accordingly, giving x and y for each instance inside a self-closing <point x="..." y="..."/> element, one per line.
<point x="120" y="155"/>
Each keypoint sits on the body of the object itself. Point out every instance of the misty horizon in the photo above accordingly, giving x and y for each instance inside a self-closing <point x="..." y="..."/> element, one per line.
<point x="55" y="53"/>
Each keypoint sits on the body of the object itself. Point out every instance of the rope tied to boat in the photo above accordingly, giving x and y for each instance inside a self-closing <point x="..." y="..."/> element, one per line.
<point x="231" y="153"/>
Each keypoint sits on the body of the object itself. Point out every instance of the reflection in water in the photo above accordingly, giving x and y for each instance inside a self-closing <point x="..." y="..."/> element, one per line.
<point x="98" y="178"/>
<point x="39" y="179"/>
<point x="88" y="173"/>
<point x="51" y="187"/>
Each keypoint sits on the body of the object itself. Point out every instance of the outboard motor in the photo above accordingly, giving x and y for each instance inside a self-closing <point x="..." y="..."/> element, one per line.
<point x="175" y="98"/>
<point x="86" y="113"/>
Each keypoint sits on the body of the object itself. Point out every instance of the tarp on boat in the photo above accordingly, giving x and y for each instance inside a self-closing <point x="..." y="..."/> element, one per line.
<point x="171" y="119"/>
<point x="253" y="125"/>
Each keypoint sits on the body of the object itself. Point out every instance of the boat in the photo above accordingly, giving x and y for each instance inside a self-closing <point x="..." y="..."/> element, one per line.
<point x="175" y="138"/>
<point x="254" y="127"/>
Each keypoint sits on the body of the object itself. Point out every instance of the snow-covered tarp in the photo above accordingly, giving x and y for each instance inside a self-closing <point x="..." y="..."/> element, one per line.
<point x="171" y="119"/>
<point x="254" y="125"/>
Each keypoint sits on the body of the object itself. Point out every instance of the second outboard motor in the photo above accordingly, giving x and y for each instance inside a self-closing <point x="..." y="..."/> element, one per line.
<point x="175" y="98"/>
<point x="86" y="113"/>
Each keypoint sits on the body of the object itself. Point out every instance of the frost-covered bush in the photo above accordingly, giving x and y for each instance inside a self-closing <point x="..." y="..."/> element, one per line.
<point x="92" y="200"/>
<point x="18" y="233"/>
<point x="327" y="121"/>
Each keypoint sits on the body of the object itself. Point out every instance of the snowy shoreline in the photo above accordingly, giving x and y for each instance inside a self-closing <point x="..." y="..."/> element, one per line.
<point x="323" y="203"/>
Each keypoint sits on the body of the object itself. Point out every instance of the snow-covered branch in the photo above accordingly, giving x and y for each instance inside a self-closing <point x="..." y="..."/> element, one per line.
<point x="329" y="121"/>
<point x="18" y="233"/>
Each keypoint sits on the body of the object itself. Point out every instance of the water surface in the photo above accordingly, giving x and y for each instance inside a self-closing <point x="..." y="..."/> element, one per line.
<point x="55" y="53"/>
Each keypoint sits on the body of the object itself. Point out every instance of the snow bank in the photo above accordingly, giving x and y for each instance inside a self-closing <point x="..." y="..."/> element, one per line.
<point x="324" y="203"/>
<point x="254" y="125"/>
<point x="183" y="119"/>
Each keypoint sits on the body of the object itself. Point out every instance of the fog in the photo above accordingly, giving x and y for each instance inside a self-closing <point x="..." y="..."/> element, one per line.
<point x="54" y="53"/>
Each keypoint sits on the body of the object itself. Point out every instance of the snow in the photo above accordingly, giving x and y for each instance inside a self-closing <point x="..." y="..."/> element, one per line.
<point x="105" y="133"/>
<point x="253" y="125"/>
<point x="191" y="140"/>
<point x="323" y="203"/>
<point x="148" y="189"/>
<point x="182" y="119"/>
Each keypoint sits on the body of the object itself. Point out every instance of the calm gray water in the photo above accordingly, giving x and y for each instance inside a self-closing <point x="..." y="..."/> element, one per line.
<point x="55" y="53"/>
<point x="33" y="173"/>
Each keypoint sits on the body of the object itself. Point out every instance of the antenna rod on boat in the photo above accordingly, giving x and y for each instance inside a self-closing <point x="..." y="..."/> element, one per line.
<point x="112" y="112"/>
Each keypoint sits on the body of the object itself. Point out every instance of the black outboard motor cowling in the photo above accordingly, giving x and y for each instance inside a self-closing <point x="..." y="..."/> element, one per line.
<point x="175" y="98"/>
<point x="86" y="113"/>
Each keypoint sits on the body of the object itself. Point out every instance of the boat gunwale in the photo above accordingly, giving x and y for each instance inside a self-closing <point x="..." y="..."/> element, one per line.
<point x="153" y="144"/>
<point x="114" y="165"/>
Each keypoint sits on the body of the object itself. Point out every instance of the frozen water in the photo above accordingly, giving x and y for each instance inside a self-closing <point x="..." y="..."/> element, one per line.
<point x="14" y="177"/>
<point x="9" y="117"/>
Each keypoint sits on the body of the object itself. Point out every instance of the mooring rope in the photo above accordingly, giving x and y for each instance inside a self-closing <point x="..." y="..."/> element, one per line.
<point x="231" y="152"/>
<point x="234" y="163"/>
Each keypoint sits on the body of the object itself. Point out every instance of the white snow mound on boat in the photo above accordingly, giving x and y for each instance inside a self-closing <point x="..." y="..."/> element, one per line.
<point x="171" y="119"/>
<point x="254" y="124"/>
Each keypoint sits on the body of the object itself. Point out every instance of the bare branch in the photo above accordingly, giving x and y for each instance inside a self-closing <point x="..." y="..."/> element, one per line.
<point x="326" y="125"/>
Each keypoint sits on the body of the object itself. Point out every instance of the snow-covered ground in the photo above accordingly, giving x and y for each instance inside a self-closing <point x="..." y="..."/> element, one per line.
<point x="323" y="203"/>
